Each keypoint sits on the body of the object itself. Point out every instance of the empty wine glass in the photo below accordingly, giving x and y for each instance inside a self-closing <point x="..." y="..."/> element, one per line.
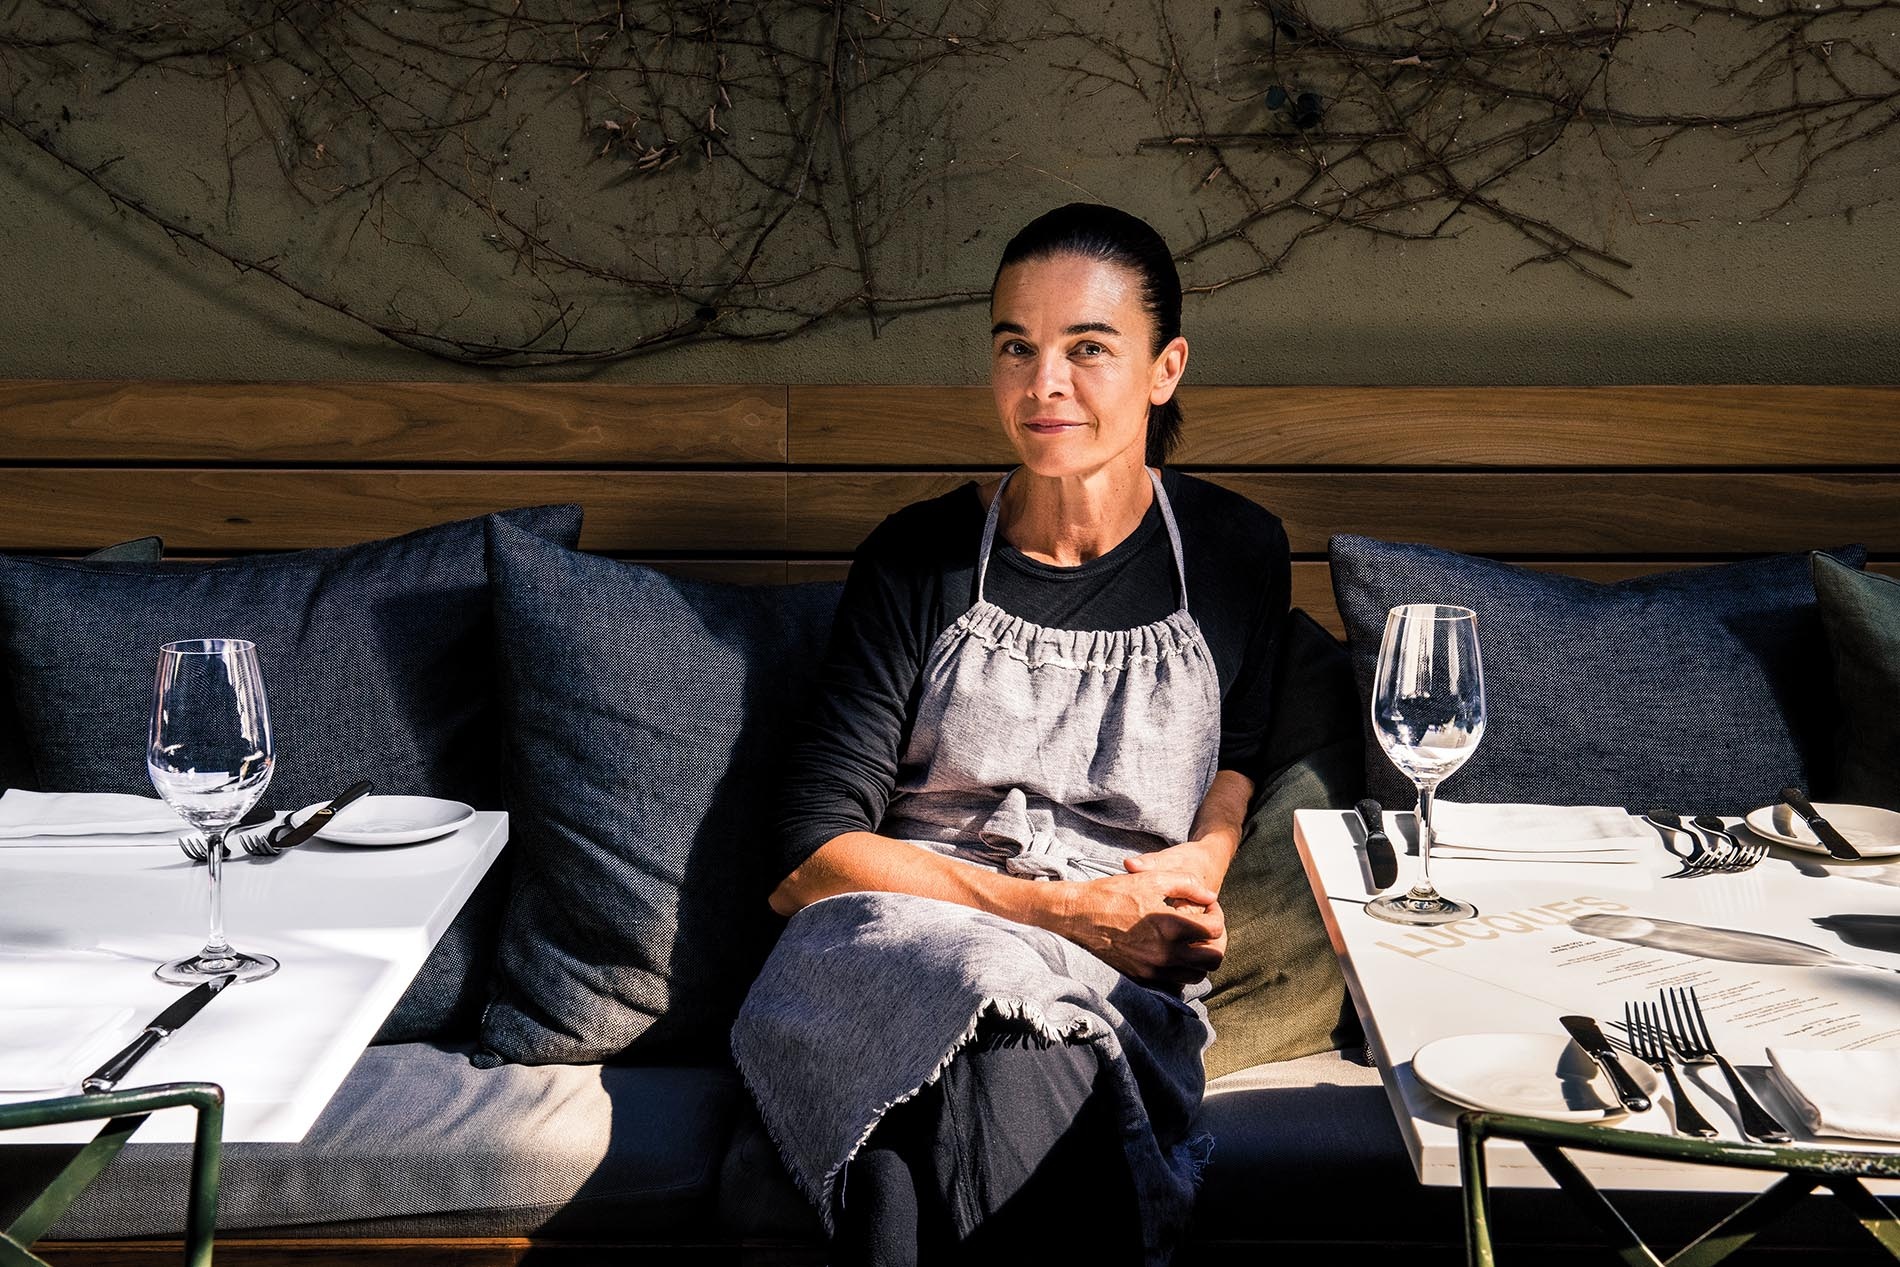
<point x="1428" y="712"/>
<point x="210" y="758"/>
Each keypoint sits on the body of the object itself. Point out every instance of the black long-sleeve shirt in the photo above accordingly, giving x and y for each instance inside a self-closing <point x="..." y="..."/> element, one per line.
<point x="916" y="574"/>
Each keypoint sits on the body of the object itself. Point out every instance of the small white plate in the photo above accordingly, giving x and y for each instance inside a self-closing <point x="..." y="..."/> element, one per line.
<point x="1537" y="1075"/>
<point x="1870" y="829"/>
<point x="390" y="820"/>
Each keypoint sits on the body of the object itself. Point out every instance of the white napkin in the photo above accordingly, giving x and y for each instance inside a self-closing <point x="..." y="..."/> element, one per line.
<point x="1851" y="1093"/>
<point x="52" y="1048"/>
<point x="1535" y="833"/>
<point x="105" y="818"/>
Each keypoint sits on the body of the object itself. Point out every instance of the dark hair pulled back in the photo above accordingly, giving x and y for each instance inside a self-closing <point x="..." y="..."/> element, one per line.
<point x="1113" y="236"/>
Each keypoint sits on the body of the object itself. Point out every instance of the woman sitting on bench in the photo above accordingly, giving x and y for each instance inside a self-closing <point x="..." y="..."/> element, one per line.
<point x="1008" y="820"/>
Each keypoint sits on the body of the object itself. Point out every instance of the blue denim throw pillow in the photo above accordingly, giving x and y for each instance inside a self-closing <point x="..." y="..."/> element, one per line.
<point x="377" y="664"/>
<point x="649" y="714"/>
<point x="1705" y="690"/>
<point x="16" y="769"/>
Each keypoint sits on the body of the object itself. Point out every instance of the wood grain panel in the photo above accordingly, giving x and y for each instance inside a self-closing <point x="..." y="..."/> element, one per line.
<point x="497" y="1251"/>
<point x="1615" y="515"/>
<point x="1740" y="426"/>
<point x="224" y="511"/>
<point x="370" y="424"/>
<point x="729" y="571"/>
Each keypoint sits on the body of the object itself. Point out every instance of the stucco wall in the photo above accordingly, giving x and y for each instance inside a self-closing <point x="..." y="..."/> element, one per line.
<point x="1805" y="296"/>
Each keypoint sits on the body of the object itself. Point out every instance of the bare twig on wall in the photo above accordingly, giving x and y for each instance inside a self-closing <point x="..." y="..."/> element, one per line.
<point x="514" y="184"/>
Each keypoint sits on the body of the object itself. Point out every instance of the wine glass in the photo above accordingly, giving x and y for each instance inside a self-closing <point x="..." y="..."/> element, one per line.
<point x="210" y="758"/>
<point x="1428" y="712"/>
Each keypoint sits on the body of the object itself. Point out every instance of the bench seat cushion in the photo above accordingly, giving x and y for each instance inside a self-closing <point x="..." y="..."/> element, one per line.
<point x="419" y="1142"/>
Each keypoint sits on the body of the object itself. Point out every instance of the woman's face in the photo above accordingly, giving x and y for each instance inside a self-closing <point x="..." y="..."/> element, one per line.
<point x="1072" y="364"/>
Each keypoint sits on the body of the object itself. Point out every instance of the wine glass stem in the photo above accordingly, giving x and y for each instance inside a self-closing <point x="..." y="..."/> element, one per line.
<point x="216" y="947"/>
<point x="1425" y="888"/>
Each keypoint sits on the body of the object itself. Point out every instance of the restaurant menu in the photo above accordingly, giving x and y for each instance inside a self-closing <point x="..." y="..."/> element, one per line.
<point x="1801" y="973"/>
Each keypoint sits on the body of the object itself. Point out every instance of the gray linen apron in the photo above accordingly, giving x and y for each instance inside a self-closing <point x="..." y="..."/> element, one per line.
<point x="1043" y="753"/>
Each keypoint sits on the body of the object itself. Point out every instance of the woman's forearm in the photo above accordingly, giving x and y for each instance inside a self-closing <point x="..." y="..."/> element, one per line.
<point x="862" y="861"/>
<point x="1219" y="822"/>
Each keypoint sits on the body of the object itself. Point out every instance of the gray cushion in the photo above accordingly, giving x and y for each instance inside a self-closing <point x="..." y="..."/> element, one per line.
<point x="377" y="662"/>
<point x="420" y="1142"/>
<point x="1705" y="688"/>
<point x="1292" y="1137"/>
<point x="16" y="766"/>
<point x="1279" y="994"/>
<point x="647" y="715"/>
<point x="1861" y="613"/>
<point x="376" y="659"/>
<point x="137" y="550"/>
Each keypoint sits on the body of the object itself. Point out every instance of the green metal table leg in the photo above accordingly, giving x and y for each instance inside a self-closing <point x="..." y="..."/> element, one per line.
<point x="126" y="1110"/>
<point x="1477" y="1194"/>
<point x="1801" y="1169"/>
<point x="207" y="1160"/>
<point x="1869" y="1211"/>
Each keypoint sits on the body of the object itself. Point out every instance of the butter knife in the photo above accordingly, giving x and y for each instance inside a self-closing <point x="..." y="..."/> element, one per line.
<point x="1591" y="1039"/>
<point x="161" y="1027"/>
<point x="1380" y="859"/>
<point x="1836" y="844"/>
<point x="285" y="836"/>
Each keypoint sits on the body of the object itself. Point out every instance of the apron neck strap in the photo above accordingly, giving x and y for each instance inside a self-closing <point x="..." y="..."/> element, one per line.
<point x="1167" y="517"/>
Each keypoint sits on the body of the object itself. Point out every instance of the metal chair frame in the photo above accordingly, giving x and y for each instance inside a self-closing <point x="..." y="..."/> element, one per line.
<point x="1803" y="1169"/>
<point x="126" y="1110"/>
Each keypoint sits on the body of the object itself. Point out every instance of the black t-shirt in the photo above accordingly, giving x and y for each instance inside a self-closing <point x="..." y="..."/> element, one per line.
<point x="916" y="574"/>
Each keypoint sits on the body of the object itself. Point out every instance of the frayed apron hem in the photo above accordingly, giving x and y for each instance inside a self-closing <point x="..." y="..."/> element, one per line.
<point x="828" y="1190"/>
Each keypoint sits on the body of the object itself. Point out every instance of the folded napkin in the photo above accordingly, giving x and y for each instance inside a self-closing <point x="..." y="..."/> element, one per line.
<point x="52" y="1048"/>
<point x="33" y="818"/>
<point x="1536" y="833"/>
<point x="1851" y="1093"/>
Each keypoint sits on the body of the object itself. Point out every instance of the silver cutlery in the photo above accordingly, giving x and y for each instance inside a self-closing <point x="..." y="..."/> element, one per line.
<point x="281" y="837"/>
<point x="1589" y="1036"/>
<point x="1742" y="854"/>
<point x="197" y="847"/>
<point x="1689" y="1035"/>
<point x="1699" y="859"/>
<point x="1647" y="1045"/>
<point x="161" y="1027"/>
<point x="285" y="836"/>
<point x="1830" y="837"/>
<point x="1380" y="859"/>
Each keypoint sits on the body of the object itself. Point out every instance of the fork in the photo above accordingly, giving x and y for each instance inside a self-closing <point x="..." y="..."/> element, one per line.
<point x="198" y="848"/>
<point x="1689" y="1035"/>
<point x="1700" y="859"/>
<point x="1646" y="1044"/>
<point x="1742" y="854"/>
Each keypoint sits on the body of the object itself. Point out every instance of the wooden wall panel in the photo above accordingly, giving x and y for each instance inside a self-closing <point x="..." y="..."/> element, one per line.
<point x="1619" y="515"/>
<point x="1751" y="426"/>
<point x="382" y="424"/>
<point x="229" y="511"/>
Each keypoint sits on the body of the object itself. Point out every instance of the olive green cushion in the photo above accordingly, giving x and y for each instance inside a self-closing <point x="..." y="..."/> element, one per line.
<point x="1861" y="613"/>
<point x="1279" y="994"/>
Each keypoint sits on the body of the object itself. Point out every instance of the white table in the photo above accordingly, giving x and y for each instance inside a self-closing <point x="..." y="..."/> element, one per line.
<point x="1521" y="964"/>
<point x="350" y="925"/>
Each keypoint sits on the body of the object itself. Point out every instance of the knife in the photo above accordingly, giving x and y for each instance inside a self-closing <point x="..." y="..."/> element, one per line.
<point x="1379" y="856"/>
<point x="1590" y="1038"/>
<point x="317" y="821"/>
<point x="1836" y="844"/>
<point x="162" y="1026"/>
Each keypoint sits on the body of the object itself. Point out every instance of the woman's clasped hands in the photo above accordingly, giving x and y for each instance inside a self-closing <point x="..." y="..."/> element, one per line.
<point x="1161" y="923"/>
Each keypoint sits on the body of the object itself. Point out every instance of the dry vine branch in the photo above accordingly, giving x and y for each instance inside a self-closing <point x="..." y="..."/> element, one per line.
<point x="535" y="183"/>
